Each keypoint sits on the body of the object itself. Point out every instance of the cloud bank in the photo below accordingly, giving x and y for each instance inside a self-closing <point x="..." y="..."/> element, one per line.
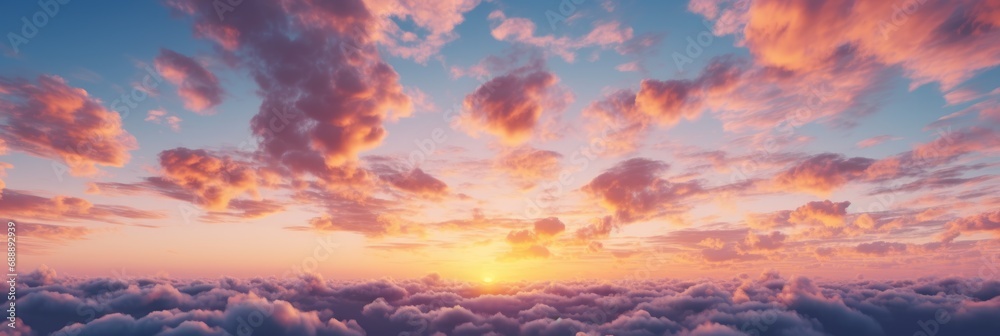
<point x="768" y="304"/>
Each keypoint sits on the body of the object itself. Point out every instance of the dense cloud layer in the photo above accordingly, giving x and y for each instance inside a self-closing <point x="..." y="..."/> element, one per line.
<point x="768" y="304"/>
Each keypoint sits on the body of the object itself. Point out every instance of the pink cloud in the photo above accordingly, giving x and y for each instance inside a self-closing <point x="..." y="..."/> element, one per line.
<point x="823" y="173"/>
<point x="634" y="190"/>
<point x="212" y="179"/>
<point x="437" y="18"/>
<point x="521" y="30"/>
<point x="510" y="106"/>
<point x="22" y="204"/>
<point x="624" y="117"/>
<point x="927" y="40"/>
<point x="50" y="119"/>
<point x="528" y="165"/>
<point x="161" y="116"/>
<point x="826" y="213"/>
<point x="310" y="121"/>
<point x="987" y="221"/>
<point x="875" y="141"/>
<point x="418" y="182"/>
<point x="197" y="87"/>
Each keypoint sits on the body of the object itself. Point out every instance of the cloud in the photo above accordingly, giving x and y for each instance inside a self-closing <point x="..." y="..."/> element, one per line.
<point x="771" y="241"/>
<point x="40" y="238"/>
<point x="533" y="243"/>
<point x="197" y="87"/>
<point x="773" y="220"/>
<point x="22" y="204"/>
<point x="634" y="190"/>
<point x="987" y="221"/>
<point x="670" y="101"/>
<point x="623" y="118"/>
<point x="3" y="172"/>
<point x="325" y="89"/>
<point x="948" y="147"/>
<point x="823" y="173"/>
<point x="53" y="120"/>
<point x="826" y="213"/>
<point x="875" y="141"/>
<point x="917" y="36"/>
<point x="418" y="182"/>
<point x="617" y="121"/>
<point x="549" y="227"/>
<point x="880" y="248"/>
<point x="160" y="117"/>
<point x="437" y="18"/>
<point x="529" y="165"/>
<point x="510" y="106"/>
<point x="311" y="305"/>
<point x="212" y="179"/>
<point x="604" y="35"/>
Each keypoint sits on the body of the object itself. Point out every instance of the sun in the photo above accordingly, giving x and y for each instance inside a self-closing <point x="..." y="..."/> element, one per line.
<point x="487" y="279"/>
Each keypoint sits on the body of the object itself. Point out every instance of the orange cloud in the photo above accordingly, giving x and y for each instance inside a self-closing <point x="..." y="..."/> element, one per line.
<point x="528" y="165"/>
<point x="987" y="221"/>
<point x="197" y="87"/>
<point x="827" y="213"/>
<point x="634" y="190"/>
<point x="325" y="89"/>
<point x="521" y="30"/>
<point x="418" y="182"/>
<point x="213" y="180"/>
<point x="50" y="119"/>
<point x="823" y="173"/>
<point x="21" y="204"/>
<point x="933" y="41"/>
<point x="511" y="105"/>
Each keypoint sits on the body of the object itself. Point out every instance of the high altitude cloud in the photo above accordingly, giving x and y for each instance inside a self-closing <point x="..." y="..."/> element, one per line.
<point x="933" y="41"/>
<point x="311" y="305"/>
<point x="160" y="116"/>
<point x="22" y="204"/>
<point x="37" y="239"/>
<point x="510" y="106"/>
<point x="214" y="180"/>
<point x="987" y="221"/>
<point x="634" y="190"/>
<point x="826" y="213"/>
<point x="849" y="59"/>
<point x="823" y="173"/>
<point x="53" y="120"/>
<point x="533" y="243"/>
<point x="325" y="89"/>
<point x="438" y="18"/>
<point x="603" y="35"/>
<point x="197" y="87"/>
<point x="418" y="182"/>
<point x="529" y="165"/>
<point x="624" y="117"/>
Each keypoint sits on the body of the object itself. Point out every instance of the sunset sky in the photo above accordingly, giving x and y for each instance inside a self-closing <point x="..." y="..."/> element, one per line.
<point x="502" y="140"/>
